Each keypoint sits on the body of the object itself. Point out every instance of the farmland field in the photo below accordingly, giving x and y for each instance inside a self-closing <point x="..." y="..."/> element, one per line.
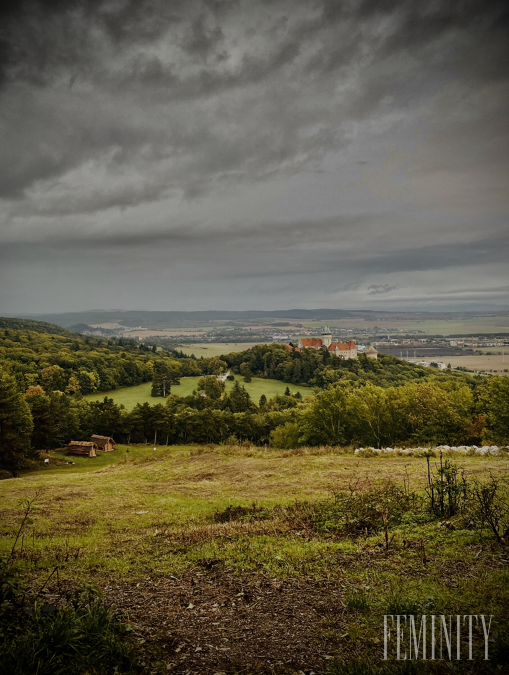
<point x="149" y="332"/>
<point x="467" y="326"/>
<point x="130" y="396"/>
<point x="261" y="589"/>
<point x="215" y="348"/>
<point x="478" y="362"/>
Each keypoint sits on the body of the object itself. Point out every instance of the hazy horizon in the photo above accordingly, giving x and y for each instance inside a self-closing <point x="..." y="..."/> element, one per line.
<point x="224" y="153"/>
<point x="305" y="314"/>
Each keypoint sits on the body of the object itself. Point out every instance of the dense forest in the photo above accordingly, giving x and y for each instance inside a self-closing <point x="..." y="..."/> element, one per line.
<point x="44" y="375"/>
<point x="33" y="325"/>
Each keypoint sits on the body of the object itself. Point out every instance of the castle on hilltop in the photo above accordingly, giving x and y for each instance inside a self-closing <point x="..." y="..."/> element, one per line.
<point x="343" y="350"/>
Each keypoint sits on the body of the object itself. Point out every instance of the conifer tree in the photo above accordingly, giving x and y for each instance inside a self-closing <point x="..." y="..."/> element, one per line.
<point x="15" y="425"/>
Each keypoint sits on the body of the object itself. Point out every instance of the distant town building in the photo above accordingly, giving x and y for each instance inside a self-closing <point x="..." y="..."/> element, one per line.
<point x="342" y="350"/>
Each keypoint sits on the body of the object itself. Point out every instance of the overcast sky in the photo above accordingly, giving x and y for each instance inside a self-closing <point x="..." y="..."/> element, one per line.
<point x="257" y="154"/>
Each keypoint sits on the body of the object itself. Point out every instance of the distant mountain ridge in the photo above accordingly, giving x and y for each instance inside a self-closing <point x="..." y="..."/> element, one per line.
<point x="144" y="318"/>
<point x="141" y="317"/>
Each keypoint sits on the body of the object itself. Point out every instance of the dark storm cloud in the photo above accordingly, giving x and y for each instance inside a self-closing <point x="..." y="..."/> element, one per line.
<point x="310" y="137"/>
<point x="381" y="289"/>
<point x="303" y="248"/>
<point x="96" y="48"/>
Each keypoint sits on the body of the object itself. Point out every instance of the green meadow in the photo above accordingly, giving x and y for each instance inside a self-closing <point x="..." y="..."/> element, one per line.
<point x="130" y="396"/>
<point x="134" y="490"/>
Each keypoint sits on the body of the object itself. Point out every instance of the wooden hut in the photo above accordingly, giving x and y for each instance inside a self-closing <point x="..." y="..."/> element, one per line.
<point x="82" y="449"/>
<point x="104" y="443"/>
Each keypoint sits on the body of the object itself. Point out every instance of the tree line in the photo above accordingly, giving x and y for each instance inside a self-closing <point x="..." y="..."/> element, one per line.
<point x="367" y="402"/>
<point x="73" y="363"/>
<point x="345" y="413"/>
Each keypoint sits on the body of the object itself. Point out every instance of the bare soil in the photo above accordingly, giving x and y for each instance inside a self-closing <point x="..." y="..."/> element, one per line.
<point x="217" y="621"/>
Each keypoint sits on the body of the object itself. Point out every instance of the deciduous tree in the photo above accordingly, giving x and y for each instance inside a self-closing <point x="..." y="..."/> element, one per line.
<point x="211" y="386"/>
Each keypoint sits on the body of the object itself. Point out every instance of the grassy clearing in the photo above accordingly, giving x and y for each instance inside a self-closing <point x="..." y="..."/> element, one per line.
<point x="164" y="534"/>
<point x="182" y="487"/>
<point x="130" y="396"/>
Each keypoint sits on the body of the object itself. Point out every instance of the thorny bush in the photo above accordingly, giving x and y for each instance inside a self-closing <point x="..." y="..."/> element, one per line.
<point x="447" y="491"/>
<point x="230" y="513"/>
<point x="363" y="509"/>
<point x="489" y="507"/>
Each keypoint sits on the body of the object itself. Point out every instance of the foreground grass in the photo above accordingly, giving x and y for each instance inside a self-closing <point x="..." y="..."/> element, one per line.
<point x="75" y="638"/>
<point x="130" y="396"/>
<point x="128" y="518"/>
<point x="115" y="514"/>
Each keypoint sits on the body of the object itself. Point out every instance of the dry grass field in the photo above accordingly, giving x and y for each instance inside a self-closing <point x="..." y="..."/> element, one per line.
<point x="496" y="363"/>
<point x="149" y="332"/>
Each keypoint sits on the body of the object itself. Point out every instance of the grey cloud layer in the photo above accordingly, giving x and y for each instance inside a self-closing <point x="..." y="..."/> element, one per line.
<point x="203" y="128"/>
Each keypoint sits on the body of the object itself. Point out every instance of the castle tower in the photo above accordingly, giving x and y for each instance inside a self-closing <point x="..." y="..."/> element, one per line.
<point x="326" y="337"/>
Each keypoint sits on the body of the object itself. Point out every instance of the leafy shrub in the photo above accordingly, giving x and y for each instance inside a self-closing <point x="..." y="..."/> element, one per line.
<point x="10" y="588"/>
<point x="69" y="642"/>
<point x="230" y="513"/>
<point x="83" y="637"/>
<point x="285" y="436"/>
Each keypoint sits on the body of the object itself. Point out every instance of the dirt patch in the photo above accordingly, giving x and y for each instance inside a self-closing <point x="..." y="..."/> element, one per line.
<point x="76" y="523"/>
<point x="202" y="476"/>
<point x="206" y="456"/>
<point x="70" y="494"/>
<point x="214" y="620"/>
